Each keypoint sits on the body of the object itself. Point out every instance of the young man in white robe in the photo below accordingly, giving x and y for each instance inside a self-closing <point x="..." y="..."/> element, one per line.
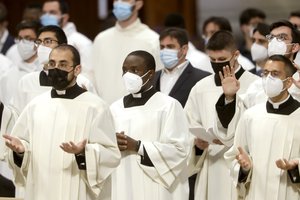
<point x="111" y="46"/>
<point x="264" y="160"/>
<point x="200" y="110"/>
<point x="153" y="136"/>
<point x="284" y="39"/>
<point x="63" y="146"/>
<point x="35" y="83"/>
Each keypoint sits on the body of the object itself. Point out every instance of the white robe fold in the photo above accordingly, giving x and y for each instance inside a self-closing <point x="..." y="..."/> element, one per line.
<point x="162" y="127"/>
<point x="47" y="171"/>
<point x="201" y="112"/>
<point x="266" y="137"/>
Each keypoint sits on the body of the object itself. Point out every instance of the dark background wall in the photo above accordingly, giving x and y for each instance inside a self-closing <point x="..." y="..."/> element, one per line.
<point x="85" y="15"/>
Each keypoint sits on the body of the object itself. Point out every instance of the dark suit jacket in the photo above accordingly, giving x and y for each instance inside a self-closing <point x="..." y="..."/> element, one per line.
<point x="7" y="44"/>
<point x="181" y="90"/>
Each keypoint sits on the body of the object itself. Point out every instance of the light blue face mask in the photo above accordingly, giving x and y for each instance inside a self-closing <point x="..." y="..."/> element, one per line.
<point x="49" y="19"/>
<point x="169" y="57"/>
<point x="122" y="10"/>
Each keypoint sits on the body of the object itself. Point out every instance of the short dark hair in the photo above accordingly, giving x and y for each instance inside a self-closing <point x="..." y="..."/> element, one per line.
<point x="289" y="67"/>
<point x="147" y="57"/>
<point x="63" y="5"/>
<point x="174" y="20"/>
<point x="34" y="25"/>
<point x="222" y="22"/>
<point x="295" y="13"/>
<point x="262" y="28"/>
<point x="249" y="14"/>
<point x="3" y="12"/>
<point x="73" y="50"/>
<point x="59" y="33"/>
<point x="178" y="33"/>
<point x="295" y="32"/>
<point x="222" y="40"/>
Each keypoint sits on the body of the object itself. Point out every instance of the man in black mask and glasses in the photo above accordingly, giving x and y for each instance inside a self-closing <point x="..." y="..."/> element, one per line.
<point x="200" y="110"/>
<point x="64" y="140"/>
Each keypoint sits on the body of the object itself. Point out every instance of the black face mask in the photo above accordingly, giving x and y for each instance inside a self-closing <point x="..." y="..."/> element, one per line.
<point x="218" y="66"/>
<point x="56" y="78"/>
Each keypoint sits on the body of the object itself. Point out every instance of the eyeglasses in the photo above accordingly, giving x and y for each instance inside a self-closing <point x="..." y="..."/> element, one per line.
<point x="25" y="40"/>
<point x="47" y="41"/>
<point x="61" y="65"/>
<point x="274" y="74"/>
<point x="280" y="37"/>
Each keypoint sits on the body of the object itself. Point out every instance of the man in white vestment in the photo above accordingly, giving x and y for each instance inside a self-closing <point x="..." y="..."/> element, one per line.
<point x="27" y="34"/>
<point x="56" y="12"/>
<point x="153" y="136"/>
<point x="214" y="24"/>
<point x="284" y="39"/>
<point x="35" y="83"/>
<point x="264" y="160"/>
<point x="200" y="110"/>
<point x="111" y="46"/>
<point x="63" y="145"/>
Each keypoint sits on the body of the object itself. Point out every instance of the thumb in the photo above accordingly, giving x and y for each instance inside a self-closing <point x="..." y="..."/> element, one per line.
<point x="241" y="150"/>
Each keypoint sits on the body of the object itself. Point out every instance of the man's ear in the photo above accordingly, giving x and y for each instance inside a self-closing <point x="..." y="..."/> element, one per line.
<point x="289" y="82"/>
<point x="77" y="70"/>
<point x="139" y="4"/>
<point x="64" y="20"/>
<point x="185" y="48"/>
<point x="295" y="47"/>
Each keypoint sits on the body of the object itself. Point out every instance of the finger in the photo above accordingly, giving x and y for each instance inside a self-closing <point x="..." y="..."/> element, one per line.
<point x="8" y="137"/>
<point x="232" y="71"/>
<point x="241" y="150"/>
<point x="221" y="76"/>
<point x="72" y="144"/>
<point x="122" y="142"/>
<point x="122" y="136"/>
<point x="122" y="147"/>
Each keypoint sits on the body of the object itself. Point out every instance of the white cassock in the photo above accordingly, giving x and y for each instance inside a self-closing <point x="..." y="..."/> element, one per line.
<point x="162" y="127"/>
<point x="109" y="51"/>
<point x="29" y="87"/>
<point x="47" y="171"/>
<point x="9" y="117"/>
<point x="266" y="137"/>
<point x="201" y="112"/>
<point x="82" y="43"/>
<point x="9" y="81"/>
<point x="254" y="95"/>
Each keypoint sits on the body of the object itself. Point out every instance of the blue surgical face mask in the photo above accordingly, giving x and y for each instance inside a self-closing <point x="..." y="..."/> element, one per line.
<point x="169" y="57"/>
<point x="49" y="19"/>
<point x="122" y="10"/>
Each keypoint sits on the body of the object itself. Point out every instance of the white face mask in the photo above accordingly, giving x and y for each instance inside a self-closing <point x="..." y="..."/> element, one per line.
<point x="258" y="52"/>
<point x="26" y="49"/>
<point x="133" y="82"/>
<point x="43" y="54"/>
<point x="272" y="86"/>
<point x="276" y="47"/>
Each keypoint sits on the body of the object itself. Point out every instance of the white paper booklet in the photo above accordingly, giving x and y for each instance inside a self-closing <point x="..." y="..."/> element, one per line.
<point x="206" y="135"/>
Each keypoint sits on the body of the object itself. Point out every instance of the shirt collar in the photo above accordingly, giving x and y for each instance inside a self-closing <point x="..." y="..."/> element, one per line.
<point x="132" y="26"/>
<point x="177" y="69"/>
<point x="132" y="100"/>
<point x="285" y="107"/>
<point x="69" y="93"/>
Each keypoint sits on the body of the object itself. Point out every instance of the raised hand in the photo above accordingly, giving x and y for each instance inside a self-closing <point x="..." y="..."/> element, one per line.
<point x="243" y="159"/>
<point x="14" y="143"/>
<point x="286" y="164"/>
<point x="230" y="84"/>
<point x="71" y="147"/>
